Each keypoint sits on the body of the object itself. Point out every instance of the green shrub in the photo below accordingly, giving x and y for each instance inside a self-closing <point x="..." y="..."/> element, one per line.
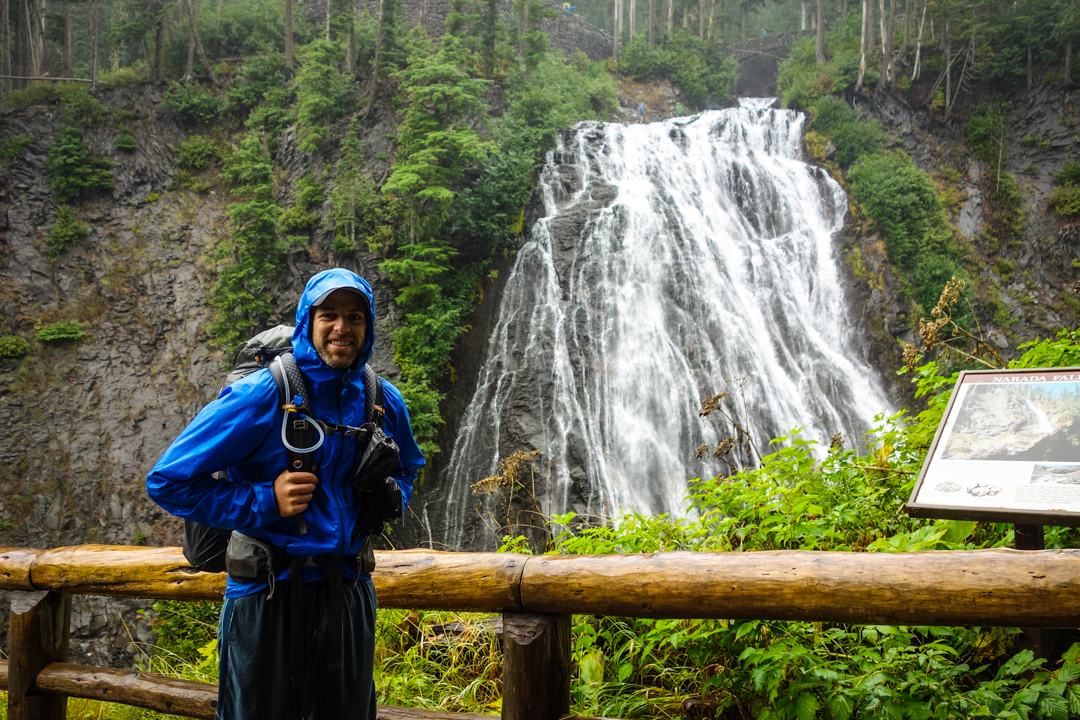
<point x="13" y="346"/>
<point x="33" y="94"/>
<point x="1065" y="201"/>
<point x="261" y="79"/>
<point x="1068" y="175"/>
<point x="830" y="113"/>
<point x="183" y="628"/>
<point x="14" y="147"/>
<point x="904" y="203"/>
<point x="73" y="172"/>
<point x="124" y="141"/>
<point x="196" y="152"/>
<point x="61" y="332"/>
<point x="321" y="93"/>
<point x="1005" y="268"/>
<point x="855" y="140"/>
<point x="296" y="219"/>
<point x="122" y="77"/>
<point x="191" y="103"/>
<point x="985" y="133"/>
<point x="67" y="232"/>
<point x="80" y="107"/>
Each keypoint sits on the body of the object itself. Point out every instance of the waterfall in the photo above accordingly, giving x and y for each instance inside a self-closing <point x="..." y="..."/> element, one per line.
<point x="674" y="260"/>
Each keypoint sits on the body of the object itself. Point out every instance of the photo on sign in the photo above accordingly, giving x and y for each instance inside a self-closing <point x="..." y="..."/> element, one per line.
<point x="1037" y="422"/>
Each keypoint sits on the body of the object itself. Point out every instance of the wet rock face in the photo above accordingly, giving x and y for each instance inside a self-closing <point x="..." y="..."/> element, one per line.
<point x="85" y="421"/>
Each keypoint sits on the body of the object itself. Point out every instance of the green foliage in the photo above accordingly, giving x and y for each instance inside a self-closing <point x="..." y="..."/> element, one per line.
<point x="697" y="66"/>
<point x="985" y="133"/>
<point x="196" y="153"/>
<point x="33" y="94"/>
<point x="67" y="331"/>
<point x="802" y="80"/>
<point x="122" y="77"/>
<point x="1065" y="201"/>
<point x="13" y="346"/>
<point x="124" y="141"/>
<point x="903" y="202"/>
<point x="184" y="628"/>
<point x="251" y="253"/>
<point x="1068" y="175"/>
<point x="853" y="138"/>
<point x="300" y="218"/>
<point x="361" y="215"/>
<point x="73" y="172"/>
<point x="15" y="146"/>
<point x="67" y="232"/>
<point x="192" y="104"/>
<point x="261" y="80"/>
<point x="321" y="93"/>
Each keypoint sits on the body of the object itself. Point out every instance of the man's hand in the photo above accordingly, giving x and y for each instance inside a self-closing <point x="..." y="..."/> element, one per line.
<point x="293" y="491"/>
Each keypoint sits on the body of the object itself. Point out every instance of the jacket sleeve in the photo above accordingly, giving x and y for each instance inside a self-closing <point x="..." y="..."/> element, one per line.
<point x="396" y="424"/>
<point x="231" y="433"/>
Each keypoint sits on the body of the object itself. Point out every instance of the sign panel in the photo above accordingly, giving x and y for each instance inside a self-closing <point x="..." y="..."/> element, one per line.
<point x="1007" y="450"/>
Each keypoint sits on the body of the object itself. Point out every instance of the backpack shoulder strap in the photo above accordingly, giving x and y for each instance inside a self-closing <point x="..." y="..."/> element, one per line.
<point x="374" y="410"/>
<point x="290" y="381"/>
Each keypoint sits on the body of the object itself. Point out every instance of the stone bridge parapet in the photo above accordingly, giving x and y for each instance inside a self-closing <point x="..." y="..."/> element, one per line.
<point x="759" y="45"/>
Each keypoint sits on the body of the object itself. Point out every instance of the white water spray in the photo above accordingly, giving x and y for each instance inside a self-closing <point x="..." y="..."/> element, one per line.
<point x="672" y="258"/>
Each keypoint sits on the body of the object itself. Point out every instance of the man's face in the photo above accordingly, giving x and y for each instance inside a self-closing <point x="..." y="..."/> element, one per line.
<point x="339" y="328"/>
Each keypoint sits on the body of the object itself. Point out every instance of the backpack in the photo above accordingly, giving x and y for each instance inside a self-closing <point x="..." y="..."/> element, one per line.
<point x="205" y="546"/>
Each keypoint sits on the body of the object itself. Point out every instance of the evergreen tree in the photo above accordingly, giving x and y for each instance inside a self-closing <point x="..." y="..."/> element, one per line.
<point x="251" y="253"/>
<point x="321" y="93"/>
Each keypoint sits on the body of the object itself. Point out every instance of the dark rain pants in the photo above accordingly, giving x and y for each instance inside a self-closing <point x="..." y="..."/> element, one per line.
<point x="254" y="674"/>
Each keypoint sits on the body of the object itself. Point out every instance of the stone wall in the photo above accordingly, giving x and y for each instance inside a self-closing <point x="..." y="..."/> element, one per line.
<point x="566" y="31"/>
<point x="764" y="44"/>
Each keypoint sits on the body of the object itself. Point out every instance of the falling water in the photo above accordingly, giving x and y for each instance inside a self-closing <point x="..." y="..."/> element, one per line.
<point x="674" y="260"/>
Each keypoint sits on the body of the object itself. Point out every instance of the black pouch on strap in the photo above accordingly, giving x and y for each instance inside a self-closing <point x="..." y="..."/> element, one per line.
<point x="204" y="546"/>
<point x="249" y="559"/>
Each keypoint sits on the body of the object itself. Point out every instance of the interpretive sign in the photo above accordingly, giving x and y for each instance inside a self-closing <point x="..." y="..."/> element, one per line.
<point x="1007" y="450"/>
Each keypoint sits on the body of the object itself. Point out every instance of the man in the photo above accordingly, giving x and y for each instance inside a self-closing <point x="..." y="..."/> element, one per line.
<point x="323" y="670"/>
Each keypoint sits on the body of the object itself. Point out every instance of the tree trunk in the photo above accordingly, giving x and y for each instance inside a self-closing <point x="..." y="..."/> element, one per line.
<point x="802" y="15"/>
<point x="918" y="45"/>
<point x="65" y="53"/>
<point x="327" y="20"/>
<point x="670" y="18"/>
<point x="289" y="59"/>
<point x="633" y="18"/>
<point x="652" y="23"/>
<point x="94" y="43"/>
<point x="871" y="27"/>
<point x="618" y="30"/>
<point x="5" y="50"/>
<point x="862" y="46"/>
<point x="1069" y="49"/>
<point x="712" y="17"/>
<point x="1030" y="63"/>
<point x="948" y="68"/>
<point x="189" y="71"/>
<point x="159" y="45"/>
<point x="820" y="45"/>
<point x="192" y="10"/>
<point x="350" y="48"/>
<point x="907" y="25"/>
<point x="881" y="23"/>
<point x="886" y="52"/>
<point x="521" y="31"/>
<point x="745" y="20"/>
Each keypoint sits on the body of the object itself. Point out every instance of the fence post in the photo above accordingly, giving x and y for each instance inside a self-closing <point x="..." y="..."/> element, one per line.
<point x="536" y="666"/>
<point x="37" y="636"/>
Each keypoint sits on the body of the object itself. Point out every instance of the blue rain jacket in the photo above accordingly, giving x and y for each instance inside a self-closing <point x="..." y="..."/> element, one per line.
<point x="241" y="430"/>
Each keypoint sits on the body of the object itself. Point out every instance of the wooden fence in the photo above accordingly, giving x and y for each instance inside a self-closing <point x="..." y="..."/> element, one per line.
<point x="536" y="595"/>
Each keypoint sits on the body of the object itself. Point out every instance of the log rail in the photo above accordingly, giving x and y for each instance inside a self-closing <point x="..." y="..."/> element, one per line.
<point x="536" y="594"/>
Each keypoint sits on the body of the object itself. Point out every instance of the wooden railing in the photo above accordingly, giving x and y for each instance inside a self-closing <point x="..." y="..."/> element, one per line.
<point x="536" y="595"/>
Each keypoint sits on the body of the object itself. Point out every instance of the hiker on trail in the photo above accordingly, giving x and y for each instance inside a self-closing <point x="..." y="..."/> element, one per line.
<point x="641" y="112"/>
<point x="678" y="109"/>
<point x="289" y="650"/>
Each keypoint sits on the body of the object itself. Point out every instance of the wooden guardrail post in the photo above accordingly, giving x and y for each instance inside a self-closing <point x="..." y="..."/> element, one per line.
<point x="536" y="666"/>
<point x="37" y="636"/>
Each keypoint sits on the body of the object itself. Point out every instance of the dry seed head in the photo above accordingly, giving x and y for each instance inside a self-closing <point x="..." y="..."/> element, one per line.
<point x="949" y="297"/>
<point x="507" y="477"/>
<point x="724" y="448"/>
<point x="837" y="442"/>
<point x="709" y="404"/>
<point x="911" y="356"/>
<point x="701" y="450"/>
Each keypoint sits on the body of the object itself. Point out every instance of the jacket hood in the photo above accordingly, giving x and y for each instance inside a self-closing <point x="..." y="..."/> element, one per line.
<point x="318" y="287"/>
